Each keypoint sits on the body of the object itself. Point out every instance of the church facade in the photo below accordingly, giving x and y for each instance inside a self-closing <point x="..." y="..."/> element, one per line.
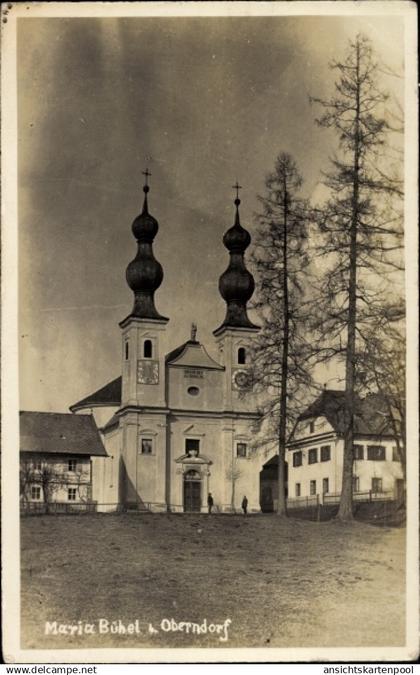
<point x="179" y="426"/>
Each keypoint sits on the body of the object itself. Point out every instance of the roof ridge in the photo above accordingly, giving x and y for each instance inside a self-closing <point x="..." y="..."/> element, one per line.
<point x="52" y="412"/>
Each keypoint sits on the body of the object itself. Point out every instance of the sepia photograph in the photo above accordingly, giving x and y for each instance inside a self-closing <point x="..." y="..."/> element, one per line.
<point x="209" y="224"/>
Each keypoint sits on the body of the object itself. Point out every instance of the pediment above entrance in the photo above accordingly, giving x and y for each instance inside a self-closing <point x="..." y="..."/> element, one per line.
<point x="193" y="460"/>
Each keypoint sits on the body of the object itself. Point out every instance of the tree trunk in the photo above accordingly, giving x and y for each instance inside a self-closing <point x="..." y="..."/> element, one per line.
<point x="232" y="499"/>
<point x="281" y="497"/>
<point x="345" y="511"/>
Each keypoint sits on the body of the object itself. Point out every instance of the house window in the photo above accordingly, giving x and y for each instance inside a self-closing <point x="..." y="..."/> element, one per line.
<point x="356" y="484"/>
<point x="241" y="450"/>
<point x="325" y="453"/>
<point x="192" y="445"/>
<point x="297" y="489"/>
<point x="126" y="350"/>
<point x="241" y="355"/>
<point x="311" y="427"/>
<point x="35" y="492"/>
<point x="37" y="465"/>
<point x="312" y="487"/>
<point x="71" y="494"/>
<point x="395" y="455"/>
<point x="146" y="446"/>
<point x="313" y="456"/>
<point x="147" y="349"/>
<point x="358" y="452"/>
<point x="325" y="486"/>
<point x="376" y="453"/>
<point x="72" y="465"/>
<point x="376" y="485"/>
<point x="297" y="458"/>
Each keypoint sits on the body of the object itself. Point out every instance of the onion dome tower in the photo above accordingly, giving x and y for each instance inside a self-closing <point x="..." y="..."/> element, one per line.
<point x="145" y="274"/>
<point x="236" y="284"/>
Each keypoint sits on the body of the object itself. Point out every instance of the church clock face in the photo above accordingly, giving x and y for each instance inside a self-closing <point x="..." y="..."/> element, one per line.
<point x="148" y="372"/>
<point x="241" y="379"/>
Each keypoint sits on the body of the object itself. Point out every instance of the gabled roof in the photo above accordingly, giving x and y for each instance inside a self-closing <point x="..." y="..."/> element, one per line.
<point x="370" y="417"/>
<point x="109" y="395"/>
<point x="60" y="433"/>
<point x="192" y="354"/>
<point x="330" y="404"/>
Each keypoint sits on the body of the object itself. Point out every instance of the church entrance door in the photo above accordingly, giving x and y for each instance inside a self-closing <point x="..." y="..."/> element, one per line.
<point x="192" y="491"/>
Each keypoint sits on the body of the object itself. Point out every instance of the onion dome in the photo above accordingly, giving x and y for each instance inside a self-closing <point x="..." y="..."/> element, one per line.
<point x="145" y="274"/>
<point x="236" y="284"/>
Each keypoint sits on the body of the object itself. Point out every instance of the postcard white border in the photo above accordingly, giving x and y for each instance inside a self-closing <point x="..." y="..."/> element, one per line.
<point x="10" y="399"/>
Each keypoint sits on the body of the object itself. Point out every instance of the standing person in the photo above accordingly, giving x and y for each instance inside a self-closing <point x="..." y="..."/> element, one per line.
<point x="210" y="502"/>
<point x="245" y="505"/>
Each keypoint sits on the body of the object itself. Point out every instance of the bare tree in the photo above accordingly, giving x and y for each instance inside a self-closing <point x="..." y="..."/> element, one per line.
<point x="26" y="479"/>
<point x="279" y="260"/>
<point x="360" y="224"/>
<point x="233" y="473"/>
<point x="381" y="364"/>
<point x="51" y="480"/>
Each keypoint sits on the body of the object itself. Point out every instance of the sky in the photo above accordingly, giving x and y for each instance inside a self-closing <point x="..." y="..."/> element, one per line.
<point x="202" y="102"/>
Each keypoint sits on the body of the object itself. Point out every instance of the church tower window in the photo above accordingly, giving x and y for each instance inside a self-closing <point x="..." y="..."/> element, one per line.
<point x="192" y="446"/>
<point x="146" y="446"/>
<point x="241" y="355"/>
<point x="241" y="450"/>
<point x="126" y="350"/>
<point x="147" y="349"/>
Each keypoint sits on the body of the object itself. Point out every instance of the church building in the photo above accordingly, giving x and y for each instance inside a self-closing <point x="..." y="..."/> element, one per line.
<point x="177" y="426"/>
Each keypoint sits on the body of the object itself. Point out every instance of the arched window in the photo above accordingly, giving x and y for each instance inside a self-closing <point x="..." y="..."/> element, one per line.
<point x="241" y="355"/>
<point x="126" y="351"/>
<point x="147" y="349"/>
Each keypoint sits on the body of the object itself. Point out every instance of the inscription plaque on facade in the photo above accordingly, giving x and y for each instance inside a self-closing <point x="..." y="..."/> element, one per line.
<point x="193" y="372"/>
<point x="147" y="372"/>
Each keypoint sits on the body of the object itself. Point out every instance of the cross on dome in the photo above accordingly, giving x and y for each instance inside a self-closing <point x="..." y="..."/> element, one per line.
<point x="147" y="174"/>
<point x="237" y="187"/>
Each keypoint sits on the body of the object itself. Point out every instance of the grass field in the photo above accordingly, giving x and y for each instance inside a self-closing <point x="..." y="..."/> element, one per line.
<point x="282" y="583"/>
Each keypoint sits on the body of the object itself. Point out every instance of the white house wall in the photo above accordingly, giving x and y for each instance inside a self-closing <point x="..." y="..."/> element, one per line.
<point x="389" y="471"/>
<point x="331" y="469"/>
<point x="79" y="479"/>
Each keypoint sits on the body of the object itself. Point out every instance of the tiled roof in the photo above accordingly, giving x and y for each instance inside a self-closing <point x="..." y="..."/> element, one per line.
<point x="109" y="395"/>
<point x="60" y="433"/>
<point x="370" y="417"/>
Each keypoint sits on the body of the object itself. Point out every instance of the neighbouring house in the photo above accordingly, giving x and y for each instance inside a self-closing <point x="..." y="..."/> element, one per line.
<point x="178" y="423"/>
<point x="315" y="451"/>
<point x="56" y="454"/>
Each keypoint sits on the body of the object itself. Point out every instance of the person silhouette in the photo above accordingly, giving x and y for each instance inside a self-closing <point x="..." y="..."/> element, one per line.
<point x="210" y="502"/>
<point x="245" y="505"/>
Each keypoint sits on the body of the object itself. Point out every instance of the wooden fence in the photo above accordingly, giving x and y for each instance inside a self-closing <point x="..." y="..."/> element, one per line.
<point x="368" y="496"/>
